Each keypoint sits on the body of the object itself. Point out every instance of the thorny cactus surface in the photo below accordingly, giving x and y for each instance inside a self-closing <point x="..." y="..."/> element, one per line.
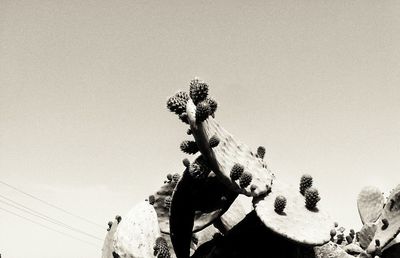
<point x="228" y="203"/>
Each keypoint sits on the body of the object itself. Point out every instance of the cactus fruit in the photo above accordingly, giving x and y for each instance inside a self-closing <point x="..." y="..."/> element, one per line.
<point x="195" y="170"/>
<point x="349" y="239"/>
<point x="312" y="197"/>
<point x="161" y="249"/>
<point x="214" y="141"/>
<point x="203" y="110"/>
<point x="245" y="179"/>
<point x="167" y="202"/>
<point x="332" y="233"/>
<point x="182" y="95"/>
<point x="189" y="147"/>
<point x="189" y="132"/>
<point x="336" y="224"/>
<point x="186" y="162"/>
<point x="152" y="199"/>
<point x="253" y="188"/>
<point x="198" y="91"/>
<point x="213" y="105"/>
<point x="169" y="177"/>
<point x="280" y="204"/>
<point x="261" y="152"/>
<point x="118" y="218"/>
<point x="176" y="105"/>
<point x="109" y="225"/>
<point x="236" y="171"/>
<point x="305" y="183"/>
<point x="176" y="177"/>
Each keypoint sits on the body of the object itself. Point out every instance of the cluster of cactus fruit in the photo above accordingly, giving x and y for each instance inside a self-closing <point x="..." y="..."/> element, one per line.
<point x="200" y="213"/>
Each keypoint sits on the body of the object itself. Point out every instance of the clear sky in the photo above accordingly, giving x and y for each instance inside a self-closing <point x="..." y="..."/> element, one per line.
<point x="83" y="87"/>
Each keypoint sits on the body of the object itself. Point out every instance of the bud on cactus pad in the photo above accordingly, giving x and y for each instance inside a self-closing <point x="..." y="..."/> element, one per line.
<point x="189" y="147"/>
<point x="385" y="223"/>
<point x="198" y="91"/>
<point x="176" y="177"/>
<point x="261" y="152"/>
<point x="182" y="95"/>
<point x="245" y="179"/>
<point x="214" y="141"/>
<point x="312" y="197"/>
<point x="332" y="232"/>
<point x="167" y="202"/>
<point x="349" y="239"/>
<point x="118" y="218"/>
<point x="152" y="199"/>
<point x="280" y="204"/>
<point x="176" y="105"/>
<point x="189" y="132"/>
<point x="213" y="105"/>
<point x="169" y="177"/>
<point x="109" y="225"/>
<point x="202" y="111"/>
<point x="186" y="162"/>
<point x="236" y="171"/>
<point x="305" y="182"/>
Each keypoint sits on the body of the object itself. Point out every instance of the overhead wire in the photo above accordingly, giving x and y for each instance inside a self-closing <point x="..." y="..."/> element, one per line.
<point x="49" y="228"/>
<point x="50" y="204"/>
<point x="45" y="217"/>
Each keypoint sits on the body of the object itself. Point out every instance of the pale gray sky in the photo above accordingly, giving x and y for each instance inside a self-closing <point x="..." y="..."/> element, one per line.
<point x="83" y="122"/>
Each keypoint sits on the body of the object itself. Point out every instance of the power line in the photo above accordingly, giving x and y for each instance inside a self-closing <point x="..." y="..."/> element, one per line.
<point x="51" y="205"/>
<point x="45" y="217"/>
<point x="49" y="228"/>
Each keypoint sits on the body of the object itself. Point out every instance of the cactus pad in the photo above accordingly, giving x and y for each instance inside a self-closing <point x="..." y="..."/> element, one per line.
<point x="137" y="232"/>
<point x="310" y="227"/>
<point x="370" y="202"/>
<point x="391" y="212"/>
<point x="331" y="250"/>
<point x="229" y="152"/>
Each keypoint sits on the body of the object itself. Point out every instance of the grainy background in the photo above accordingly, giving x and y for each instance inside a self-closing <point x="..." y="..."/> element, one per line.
<point x="83" y="122"/>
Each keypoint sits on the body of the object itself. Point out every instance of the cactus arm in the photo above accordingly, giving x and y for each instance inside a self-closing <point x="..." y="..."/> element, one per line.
<point x="228" y="152"/>
<point x="370" y="202"/>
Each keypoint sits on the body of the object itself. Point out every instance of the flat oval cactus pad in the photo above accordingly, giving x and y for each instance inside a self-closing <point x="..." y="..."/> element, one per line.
<point x="388" y="224"/>
<point x="370" y="202"/>
<point x="331" y="250"/>
<point x="229" y="152"/>
<point x="310" y="227"/>
<point x="137" y="232"/>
